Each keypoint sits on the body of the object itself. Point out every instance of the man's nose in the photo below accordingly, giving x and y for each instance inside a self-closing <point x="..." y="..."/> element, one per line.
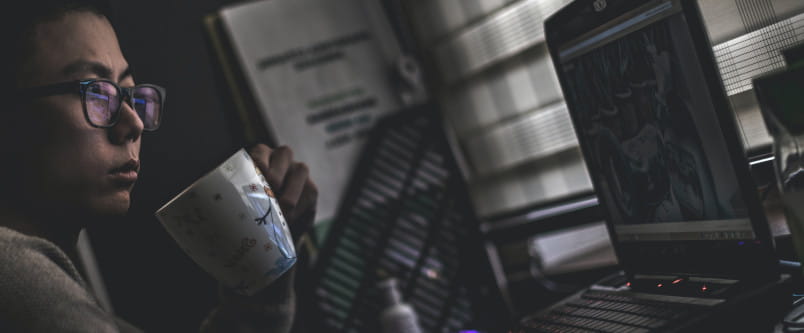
<point x="129" y="126"/>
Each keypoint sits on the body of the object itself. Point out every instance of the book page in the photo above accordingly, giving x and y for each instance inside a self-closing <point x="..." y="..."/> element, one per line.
<point x="319" y="71"/>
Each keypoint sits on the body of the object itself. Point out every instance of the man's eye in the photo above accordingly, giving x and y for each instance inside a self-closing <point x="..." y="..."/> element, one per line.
<point x="97" y="96"/>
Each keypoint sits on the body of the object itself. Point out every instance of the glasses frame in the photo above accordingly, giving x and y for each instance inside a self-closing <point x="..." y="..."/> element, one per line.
<point x="81" y="86"/>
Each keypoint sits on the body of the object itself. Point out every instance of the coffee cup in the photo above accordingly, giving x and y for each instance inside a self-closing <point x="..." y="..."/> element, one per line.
<point x="229" y="222"/>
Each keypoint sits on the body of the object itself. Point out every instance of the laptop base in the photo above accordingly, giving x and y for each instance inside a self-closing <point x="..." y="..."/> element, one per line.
<point x="611" y="307"/>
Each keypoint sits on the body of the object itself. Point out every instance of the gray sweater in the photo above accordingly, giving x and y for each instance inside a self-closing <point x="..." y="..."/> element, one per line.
<point x="41" y="291"/>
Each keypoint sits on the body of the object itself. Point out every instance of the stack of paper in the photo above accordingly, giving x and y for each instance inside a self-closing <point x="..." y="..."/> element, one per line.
<point x="569" y="250"/>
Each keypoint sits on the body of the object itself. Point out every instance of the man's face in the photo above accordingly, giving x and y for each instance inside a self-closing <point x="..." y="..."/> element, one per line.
<point x="69" y="165"/>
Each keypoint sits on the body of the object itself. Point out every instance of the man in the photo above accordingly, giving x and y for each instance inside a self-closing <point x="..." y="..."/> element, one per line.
<point x="74" y="120"/>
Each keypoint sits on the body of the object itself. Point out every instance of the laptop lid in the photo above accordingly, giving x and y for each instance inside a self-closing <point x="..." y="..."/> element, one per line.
<point x="659" y="139"/>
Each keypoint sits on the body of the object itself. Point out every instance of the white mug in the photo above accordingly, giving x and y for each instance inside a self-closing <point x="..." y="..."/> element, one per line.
<point x="230" y="224"/>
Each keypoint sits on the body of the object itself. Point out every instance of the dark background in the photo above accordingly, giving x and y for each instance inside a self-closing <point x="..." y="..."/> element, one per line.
<point x="150" y="281"/>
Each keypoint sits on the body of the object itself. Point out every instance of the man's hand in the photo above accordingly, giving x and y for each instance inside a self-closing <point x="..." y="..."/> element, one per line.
<point x="273" y="307"/>
<point x="296" y="193"/>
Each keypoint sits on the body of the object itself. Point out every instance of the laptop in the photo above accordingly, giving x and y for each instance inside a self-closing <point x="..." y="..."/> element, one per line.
<point x="668" y="166"/>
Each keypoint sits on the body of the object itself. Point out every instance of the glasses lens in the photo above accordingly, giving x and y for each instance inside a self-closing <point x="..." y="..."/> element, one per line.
<point x="148" y="104"/>
<point x="102" y="103"/>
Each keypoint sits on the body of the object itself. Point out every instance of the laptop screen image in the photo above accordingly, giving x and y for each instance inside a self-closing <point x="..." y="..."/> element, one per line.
<point x="658" y="138"/>
<point x="649" y="120"/>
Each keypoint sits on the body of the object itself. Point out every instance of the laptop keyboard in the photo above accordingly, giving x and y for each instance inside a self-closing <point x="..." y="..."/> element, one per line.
<point x="606" y="312"/>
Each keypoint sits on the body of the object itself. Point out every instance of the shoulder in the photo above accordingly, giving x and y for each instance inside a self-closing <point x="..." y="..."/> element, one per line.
<point x="22" y="256"/>
<point x="41" y="291"/>
<point x="31" y="260"/>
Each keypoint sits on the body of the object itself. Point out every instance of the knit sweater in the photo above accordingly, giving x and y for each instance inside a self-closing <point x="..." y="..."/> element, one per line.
<point x="41" y="291"/>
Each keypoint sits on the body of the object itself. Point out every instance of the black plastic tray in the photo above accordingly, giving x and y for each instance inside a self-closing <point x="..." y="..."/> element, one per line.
<point x="406" y="214"/>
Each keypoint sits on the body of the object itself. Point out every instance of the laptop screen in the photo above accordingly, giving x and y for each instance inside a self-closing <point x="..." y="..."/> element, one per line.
<point x="652" y="130"/>
<point x="643" y="104"/>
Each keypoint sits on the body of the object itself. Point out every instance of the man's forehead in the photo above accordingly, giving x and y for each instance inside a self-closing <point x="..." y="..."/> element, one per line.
<point x="78" y="45"/>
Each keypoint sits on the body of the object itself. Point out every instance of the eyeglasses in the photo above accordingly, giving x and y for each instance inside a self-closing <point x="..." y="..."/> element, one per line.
<point x="102" y="100"/>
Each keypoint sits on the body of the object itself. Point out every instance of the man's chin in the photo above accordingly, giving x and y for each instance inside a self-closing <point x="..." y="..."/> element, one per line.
<point x="113" y="206"/>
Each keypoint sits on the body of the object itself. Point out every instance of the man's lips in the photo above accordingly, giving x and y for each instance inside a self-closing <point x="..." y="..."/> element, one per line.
<point x="126" y="173"/>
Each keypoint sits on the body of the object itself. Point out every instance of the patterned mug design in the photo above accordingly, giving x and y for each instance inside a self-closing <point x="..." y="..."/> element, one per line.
<point x="229" y="222"/>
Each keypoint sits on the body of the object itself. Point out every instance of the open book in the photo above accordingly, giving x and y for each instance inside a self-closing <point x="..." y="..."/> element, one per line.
<point x="310" y="74"/>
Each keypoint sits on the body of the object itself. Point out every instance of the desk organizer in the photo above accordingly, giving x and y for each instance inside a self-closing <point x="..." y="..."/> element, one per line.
<point x="406" y="214"/>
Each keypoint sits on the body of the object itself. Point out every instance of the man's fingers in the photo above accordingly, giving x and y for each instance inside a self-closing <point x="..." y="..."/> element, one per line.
<point x="304" y="215"/>
<point x="307" y="200"/>
<point x="297" y="175"/>
<point x="296" y="193"/>
<point x="280" y="161"/>
<point x="261" y="154"/>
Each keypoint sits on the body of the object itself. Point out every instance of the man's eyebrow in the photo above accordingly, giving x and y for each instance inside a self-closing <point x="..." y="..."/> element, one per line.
<point x="84" y="67"/>
<point x="87" y="67"/>
<point x="128" y="72"/>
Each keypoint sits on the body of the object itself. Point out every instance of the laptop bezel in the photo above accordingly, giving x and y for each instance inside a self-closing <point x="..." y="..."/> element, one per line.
<point x="757" y="260"/>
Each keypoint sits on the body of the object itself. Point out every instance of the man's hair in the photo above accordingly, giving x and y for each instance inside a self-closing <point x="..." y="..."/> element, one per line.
<point x="17" y="24"/>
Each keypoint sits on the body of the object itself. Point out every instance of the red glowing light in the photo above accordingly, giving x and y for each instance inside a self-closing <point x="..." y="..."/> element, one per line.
<point x="628" y="284"/>
<point x="659" y="285"/>
<point x="704" y="288"/>
<point x="676" y="281"/>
